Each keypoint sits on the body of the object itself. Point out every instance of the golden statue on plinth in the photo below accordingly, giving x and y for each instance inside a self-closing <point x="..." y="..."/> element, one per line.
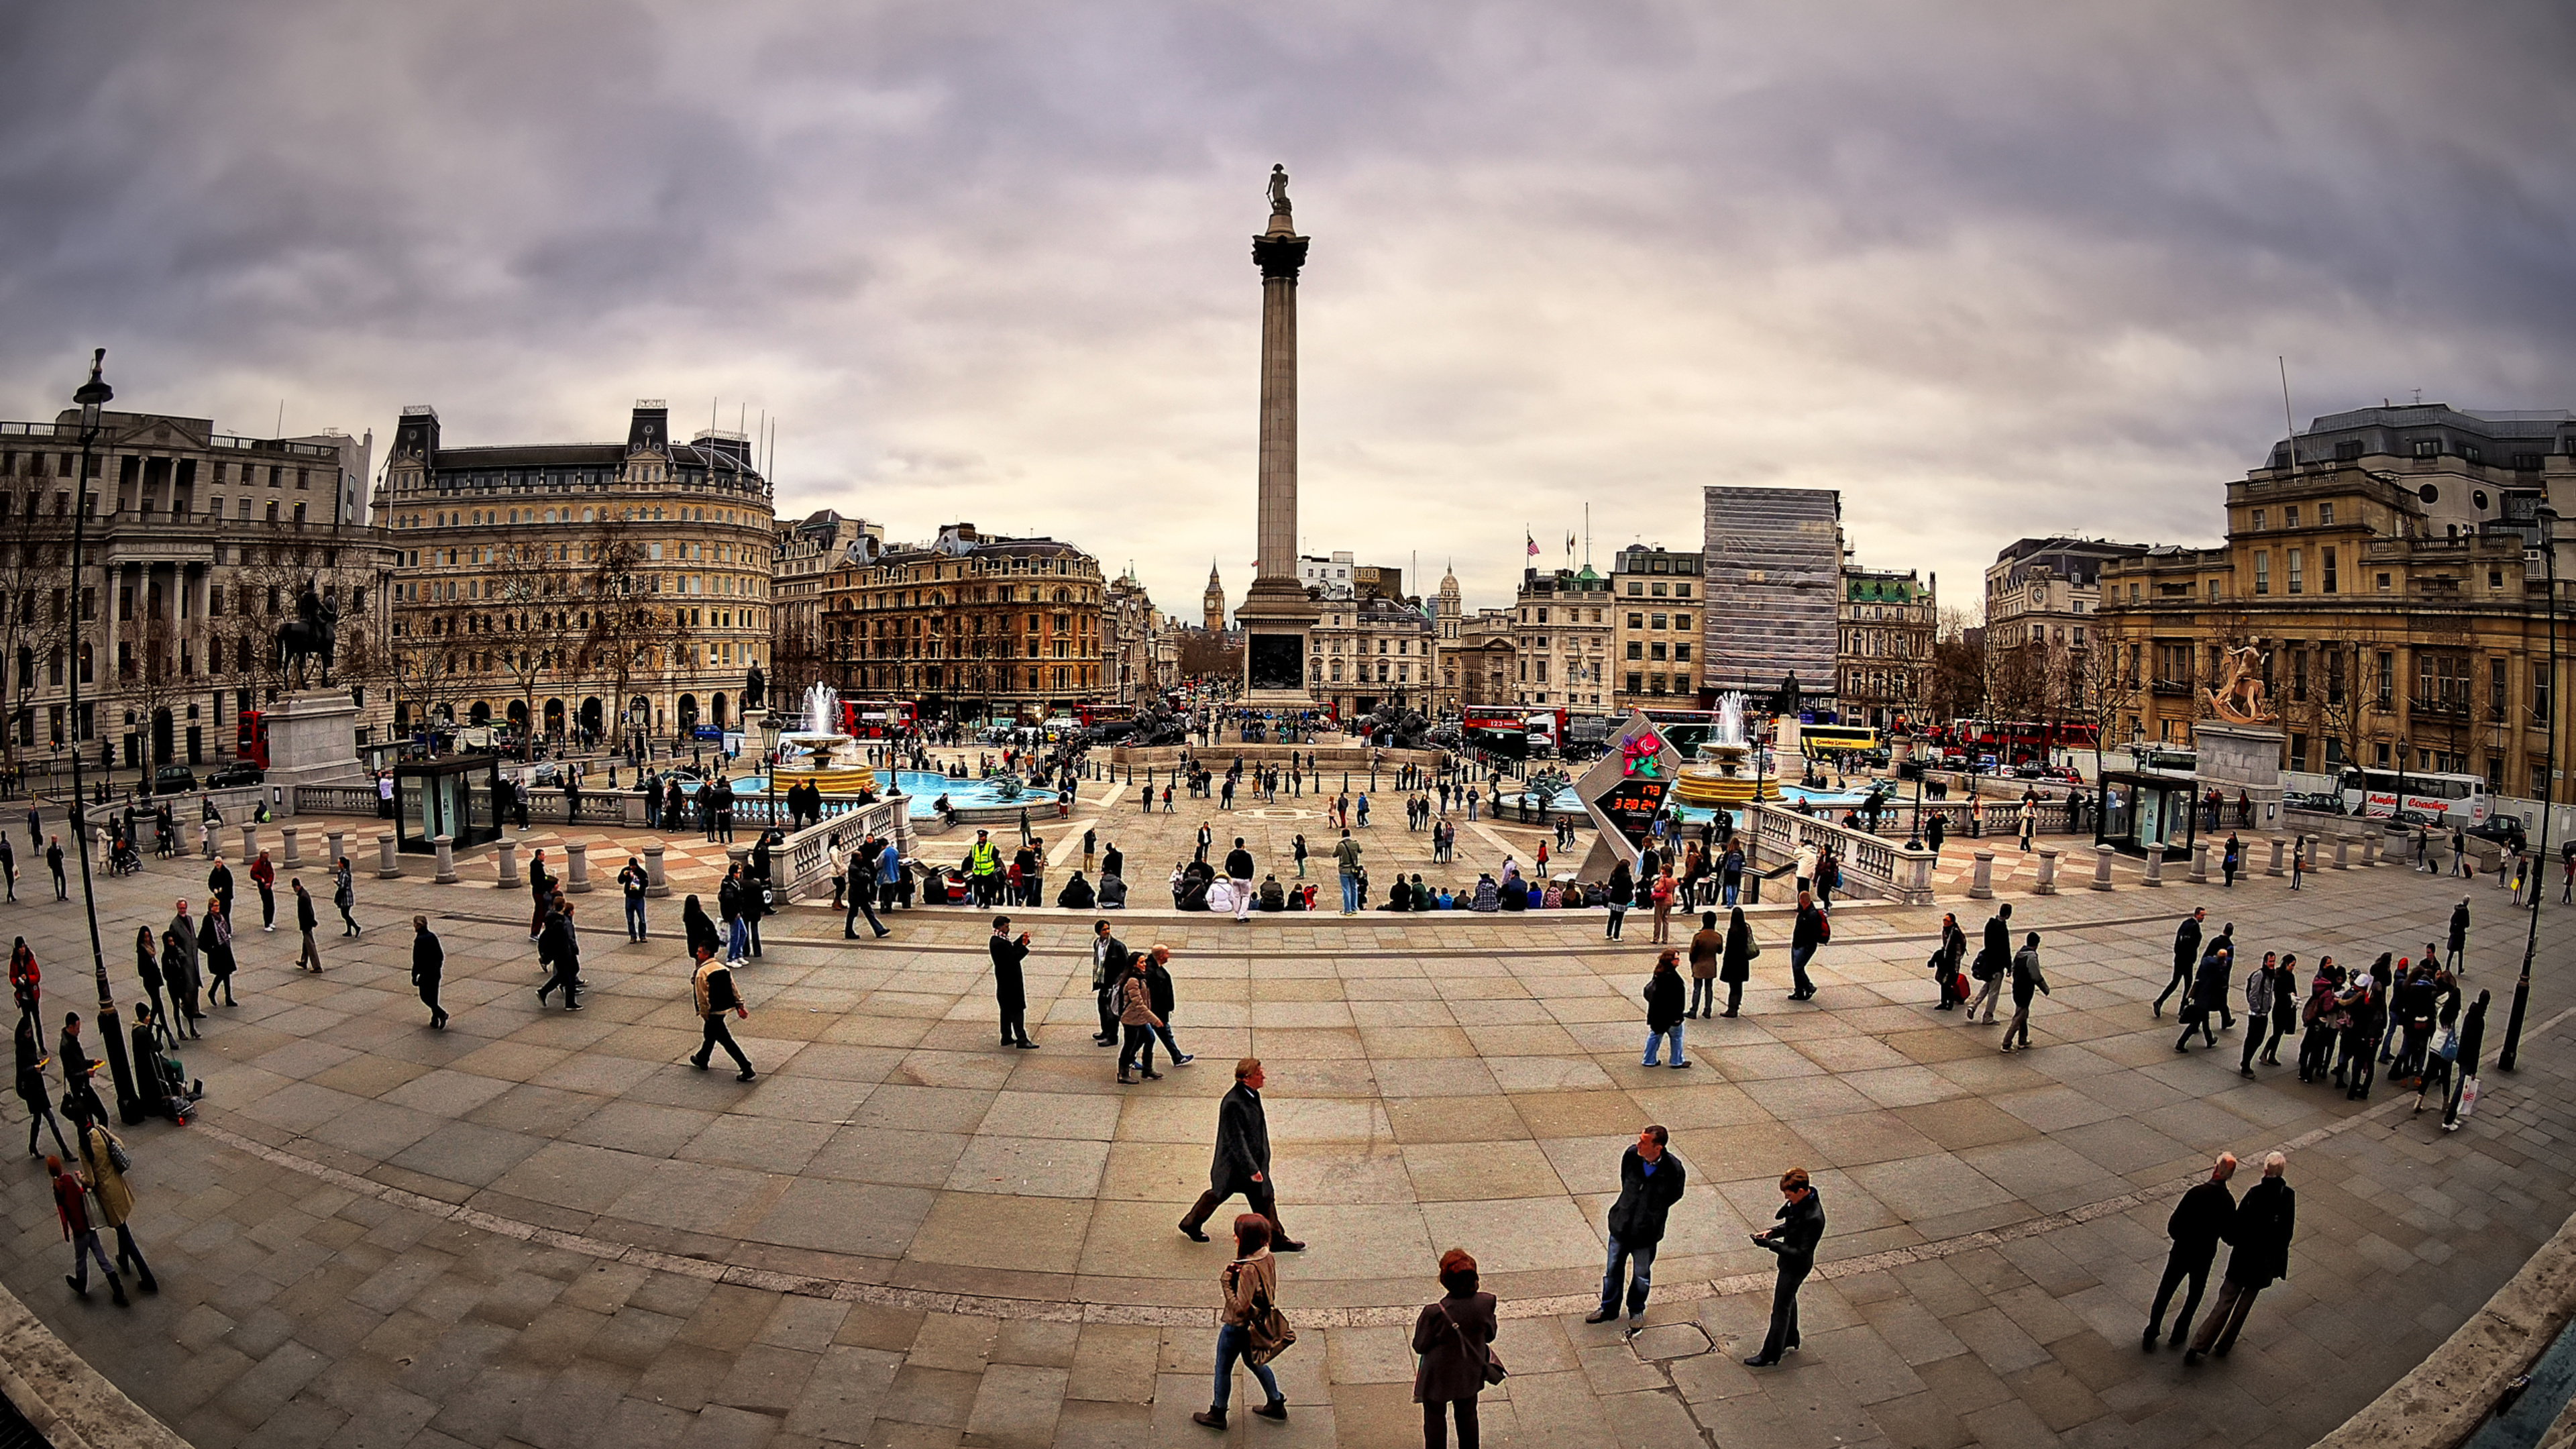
<point x="2238" y="698"/>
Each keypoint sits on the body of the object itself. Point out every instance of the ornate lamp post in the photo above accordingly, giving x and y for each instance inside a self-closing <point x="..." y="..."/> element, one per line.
<point x="2505" y="1059"/>
<point x="92" y="396"/>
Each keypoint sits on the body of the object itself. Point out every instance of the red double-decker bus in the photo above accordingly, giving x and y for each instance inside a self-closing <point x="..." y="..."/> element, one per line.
<point x="878" y="719"/>
<point x="250" y="738"/>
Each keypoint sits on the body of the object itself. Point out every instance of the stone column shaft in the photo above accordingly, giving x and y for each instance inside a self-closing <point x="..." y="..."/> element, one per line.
<point x="1276" y="539"/>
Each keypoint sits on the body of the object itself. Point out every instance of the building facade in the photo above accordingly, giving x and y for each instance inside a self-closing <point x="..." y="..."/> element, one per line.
<point x="973" y="627"/>
<point x="2394" y="579"/>
<point x="1884" y="660"/>
<point x="1131" y="642"/>
<point x="1563" y="627"/>
<point x="1655" y="641"/>
<point x="1486" y="661"/>
<point x="198" y="545"/>
<point x="2044" y="591"/>
<point x="809" y="550"/>
<point x="1372" y="653"/>
<point x="586" y="590"/>
<point x="1773" y="590"/>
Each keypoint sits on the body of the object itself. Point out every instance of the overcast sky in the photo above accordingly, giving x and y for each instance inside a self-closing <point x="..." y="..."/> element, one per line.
<point x="1990" y="270"/>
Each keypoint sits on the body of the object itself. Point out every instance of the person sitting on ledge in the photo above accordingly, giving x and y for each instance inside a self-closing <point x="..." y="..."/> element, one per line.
<point x="1273" y="898"/>
<point x="1076" y="895"/>
<point x="1488" y="895"/>
<point x="1421" y="895"/>
<point x="1446" y="901"/>
<point x="1398" y="897"/>
<point x="1113" y="893"/>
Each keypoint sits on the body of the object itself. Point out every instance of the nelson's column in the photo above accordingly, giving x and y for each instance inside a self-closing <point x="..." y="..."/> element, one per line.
<point x="1275" y="614"/>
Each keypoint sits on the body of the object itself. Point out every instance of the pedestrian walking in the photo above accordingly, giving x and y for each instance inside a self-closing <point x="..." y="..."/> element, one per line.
<point x="1010" y="994"/>
<point x="2298" y="862"/>
<point x="25" y="981"/>
<point x="698" y="929"/>
<point x="859" y="890"/>
<point x="1993" y="964"/>
<point x="1137" y="1021"/>
<point x="1810" y="931"/>
<point x="2458" y="956"/>
<point x="428" y="964"/>
<point x="1661" y="892"/>
<point x="71" y="1209"/>
<point x="2276" y="983"/>
<point x="1158" y="985"/>
<point x="1241" y="1163"/>
<point x="1453" y="1343"/>
<point x="559" y="949"/>
<point x="9" y="867"/>
<point x="2261" y="1232"/>
<point x="2464" y="1070"/>
<point x="2026" y="978"/>
<point x="103" y="1173"/>
<point x="1346" y="855"/>
<point x="1735" y="963"/>
<point x="632" y="882"/>
<point x="1799" y="1227"/>
<point x="264" y="876"/>
<point x="2230" y="859"/>
<point x="712" y="993"/>
<point x="2186" y="953"/>
<point x="1664" y="1008"/>
<point x="1945" y="961"/>
<point x="2208" y="995"/>
<point x="179" y="969"/>
<point x="2198" y="1221"/>
<point x="1705" y="946"/>
<point x="32" y="1091"/>
<point x="344" y="894"/>
<point x="54" y="863"/>
<point x="1250" y="1285"/>
<point x="1651" y="1180"/>
<point x="310" y="959"/>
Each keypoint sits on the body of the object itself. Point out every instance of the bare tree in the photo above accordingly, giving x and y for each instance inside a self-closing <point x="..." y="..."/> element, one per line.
<point x="625" y="627"/>
<point x="1208" y="655"/>
<point x="525" y="623"/>
<point x="1955" y="678"/>
<point x="35" y="621"/>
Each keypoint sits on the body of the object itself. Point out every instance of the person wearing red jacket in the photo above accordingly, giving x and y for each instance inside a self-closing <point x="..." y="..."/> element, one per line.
<point x="24" y="980"/>
<point x="264" y="876"/>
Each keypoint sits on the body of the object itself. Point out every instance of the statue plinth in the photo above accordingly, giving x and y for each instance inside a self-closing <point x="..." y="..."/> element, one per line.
<point x="2245" y="758"/>
<point x="313" y="739"/>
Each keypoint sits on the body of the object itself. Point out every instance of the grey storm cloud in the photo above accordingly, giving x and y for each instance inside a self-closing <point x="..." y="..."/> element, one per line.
<point x="1989" y="269"/>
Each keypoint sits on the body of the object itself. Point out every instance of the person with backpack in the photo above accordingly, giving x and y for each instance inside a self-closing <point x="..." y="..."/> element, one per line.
<point x="1994" y="959"/>
<point x="1812" y="930"/>
<point x="1453" y="1340"/>
<point x="711" y="989"/>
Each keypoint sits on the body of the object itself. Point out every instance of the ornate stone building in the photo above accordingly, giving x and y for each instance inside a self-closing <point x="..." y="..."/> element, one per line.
<point x="1889" y="620"/>
<point x="595" y="589"/>
<point x="2394" y="575"/>
<point x="1368" y="653"/>
<point x="1563" y="625"/>
<point x="972" y="627"/>
<point x="1131" y="641"/>
<point x="198" y="545"/>
<point x="1657" y="594"/>
<point x="808" y="552"/>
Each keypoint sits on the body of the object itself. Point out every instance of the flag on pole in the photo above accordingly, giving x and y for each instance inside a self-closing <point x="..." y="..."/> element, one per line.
<point x="1532" y="540"/>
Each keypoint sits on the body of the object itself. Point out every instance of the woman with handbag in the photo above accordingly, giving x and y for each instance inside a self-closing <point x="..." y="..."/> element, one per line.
<point x="1945" y="963"/>
<point x="1735" y="962"/>
<point x="1252" y="1328"/>
<point x="1454" y="1338"/>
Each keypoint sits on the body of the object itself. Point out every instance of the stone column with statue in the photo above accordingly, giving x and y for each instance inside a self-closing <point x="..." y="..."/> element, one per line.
<point x="2239" y="746"/>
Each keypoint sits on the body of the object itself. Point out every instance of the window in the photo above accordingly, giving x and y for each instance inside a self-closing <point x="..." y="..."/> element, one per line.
<point x="1636" y="650"/>
<point x="2345" y="453"/>
<point x="2133" y="593"/>
<point x="1636" y="621"/>
<point x="1681" y="653"/>
<point x="2290" y="516"/>
<point x="2327" y="557"/>
<point x="2325" y="511"/>
<point x="1681" y="621"/>
<point x="2387" y="676"/>
<point x="2540" y="692"/>
<point x="1659" y="589"/>
<point x="1655" y="651"/>
<point x="2495" y="578"/>
<point x="2298" y="579"/>
<point x="2299" y="752"/>
<point x="2383" y="582"/>
<point x="1636" y="683"/>
<point x="2424" y="448"/>
<point x="1659" y="621"/>
<point x="2379" y="753"/>
<point x="2495" y="689"/>
<point x="1681" y="591"/>
<point x="2262" y="572"/>
<point x="1635" y="589"/>
<point x="2258" y="520"/>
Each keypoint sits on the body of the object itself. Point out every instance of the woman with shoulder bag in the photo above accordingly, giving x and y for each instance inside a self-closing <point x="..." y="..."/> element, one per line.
<point x="1454" y="1338"/>
<point x="1735" y="961"/>
<point x="1251" y="1327"/>
<point x="1945" y="962"/>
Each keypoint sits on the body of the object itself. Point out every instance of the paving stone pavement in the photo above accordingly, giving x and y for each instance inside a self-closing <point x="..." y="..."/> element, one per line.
<point x="544" y="1229"/>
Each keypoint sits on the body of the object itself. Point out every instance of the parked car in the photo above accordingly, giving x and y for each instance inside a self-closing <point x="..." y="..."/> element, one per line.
<point x="239" y="772"/>
<point x="2407" y="820"/>
<point x="2504" y="830"/>
<point x="2322" y="804"/>
<point x="173" y="780"/>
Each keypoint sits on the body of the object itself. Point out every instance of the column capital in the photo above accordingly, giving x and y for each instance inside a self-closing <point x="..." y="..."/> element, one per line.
<point x="1279" y="256"/>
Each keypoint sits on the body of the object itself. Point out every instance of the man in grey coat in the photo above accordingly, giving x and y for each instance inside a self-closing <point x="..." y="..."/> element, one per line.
<point x="1242" y="1161"/>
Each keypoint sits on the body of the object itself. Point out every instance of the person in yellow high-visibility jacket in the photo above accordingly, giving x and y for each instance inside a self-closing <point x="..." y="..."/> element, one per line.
<point x="983" y="867"/>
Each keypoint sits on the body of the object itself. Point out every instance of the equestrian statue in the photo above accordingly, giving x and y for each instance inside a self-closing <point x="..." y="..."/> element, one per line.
<point x="313" y="633"/>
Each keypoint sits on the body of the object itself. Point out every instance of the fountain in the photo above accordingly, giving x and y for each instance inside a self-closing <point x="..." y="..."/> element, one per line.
<point x="1717" y="775"/>
<point x="820" y="754"/>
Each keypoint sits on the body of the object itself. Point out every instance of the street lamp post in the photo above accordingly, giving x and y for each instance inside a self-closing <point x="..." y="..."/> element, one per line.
<point x="92" y="396"/>
<point x="2547" y="519"/>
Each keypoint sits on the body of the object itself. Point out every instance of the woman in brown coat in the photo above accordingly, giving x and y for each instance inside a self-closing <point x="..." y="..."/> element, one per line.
<point x="1254" y="1273"/>
<point x="1452" y="1337"/>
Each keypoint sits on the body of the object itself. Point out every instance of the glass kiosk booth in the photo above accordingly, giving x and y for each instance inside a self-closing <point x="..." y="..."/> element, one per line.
<point x="455" y="796"/>
<point x="2141" y="811"/>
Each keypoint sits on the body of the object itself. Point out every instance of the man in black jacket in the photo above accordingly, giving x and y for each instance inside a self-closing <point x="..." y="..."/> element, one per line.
<point x="1238" y="869"/>
<point x="559" y="949"/>
<point x="428" y="963"/>
<point x="1794" y="1237"/>
<point x="859" y="889"/>
<point x="1651" y="1180"/>
<point x="1008" y="992"/>
<point x="2458" y="956"/>
<point x="1242" y="1160"/>
<point x="2186" y="955"/>
<point x="1109" y="957"/>
<point x="2198" y="1222"/>
<point x="2261" y="1231"/>
<point x="1158" y="991"/>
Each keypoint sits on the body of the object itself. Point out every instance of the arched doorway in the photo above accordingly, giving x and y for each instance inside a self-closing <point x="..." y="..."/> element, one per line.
<point x="554" y="717"/>
<point x="593" y="715"/>
<point x="717" y="708"/>
<point x="161" y="737"/>
<point x="518" y="715"/>
<point x="480" y="714"/>
<point x="688" y="713"/>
